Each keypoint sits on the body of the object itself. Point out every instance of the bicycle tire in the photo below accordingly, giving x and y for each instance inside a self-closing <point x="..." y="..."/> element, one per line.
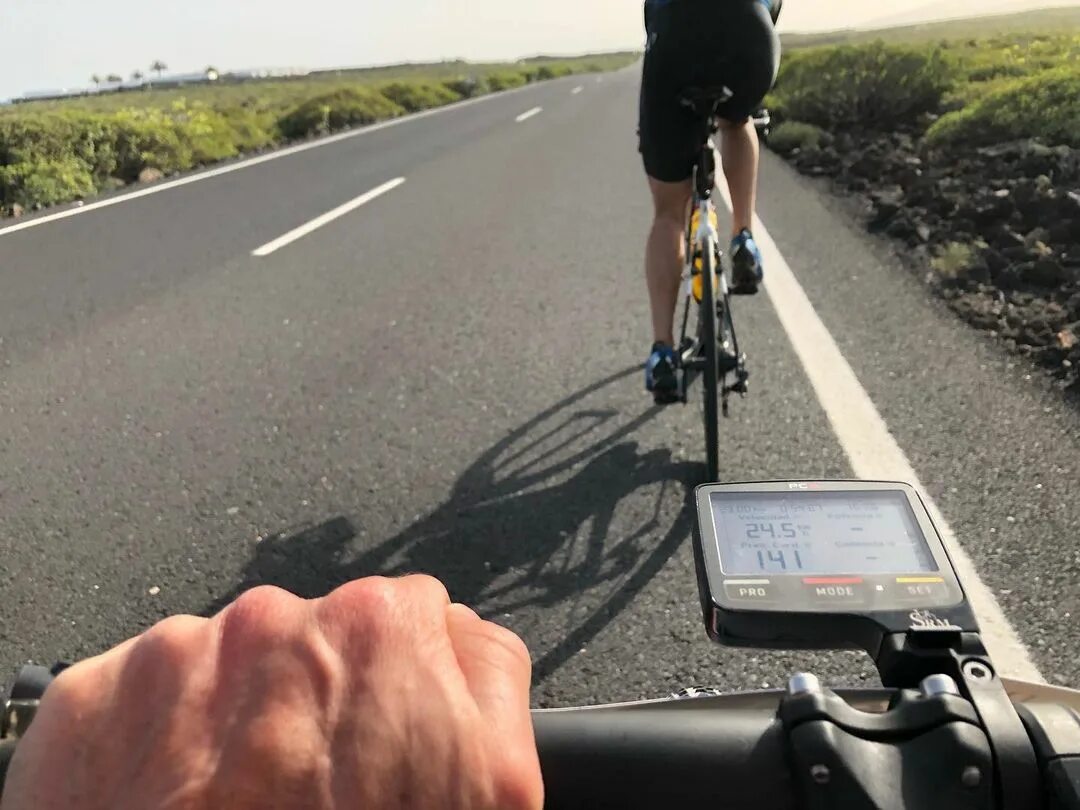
<point x="710" y="374"/>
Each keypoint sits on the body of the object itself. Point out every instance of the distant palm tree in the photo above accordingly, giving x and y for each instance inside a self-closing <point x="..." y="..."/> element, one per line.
<point x="114" y="78"/>
<point x="137" y="76"/>
<point x="159" y="67"/>
<point x="96" y="79"/>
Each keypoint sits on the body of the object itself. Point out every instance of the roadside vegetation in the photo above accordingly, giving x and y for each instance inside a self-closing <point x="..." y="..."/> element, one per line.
<point x="54" y="152"/>
<point x="987" y="90"/>
<point x="965" y="150"/>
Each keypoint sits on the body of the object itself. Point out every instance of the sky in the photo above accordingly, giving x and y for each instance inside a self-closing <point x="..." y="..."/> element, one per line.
<point x="53" y="44"/>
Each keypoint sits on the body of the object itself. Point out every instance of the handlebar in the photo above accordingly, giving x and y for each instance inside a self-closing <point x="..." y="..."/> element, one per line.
<point x="752" y="751"/>
<point x="692" y="753"/>
<point x="806" y="747"/>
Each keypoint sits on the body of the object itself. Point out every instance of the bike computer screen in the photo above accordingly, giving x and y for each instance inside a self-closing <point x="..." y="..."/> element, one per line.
<point x="830" y="564"/>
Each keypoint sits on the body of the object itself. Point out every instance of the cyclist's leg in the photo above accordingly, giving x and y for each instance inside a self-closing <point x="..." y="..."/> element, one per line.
<point x="739" y="151"/>
<point x="664" y="255"/>
<point x="755" y="60"/>
<point x="668" y="134"/>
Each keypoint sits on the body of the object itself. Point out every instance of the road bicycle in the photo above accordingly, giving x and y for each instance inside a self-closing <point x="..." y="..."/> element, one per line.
<point x="710" y="347"/>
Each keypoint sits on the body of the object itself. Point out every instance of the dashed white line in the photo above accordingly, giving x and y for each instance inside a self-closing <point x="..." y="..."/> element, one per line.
<point x="328" y="217"/>
<point x="525" y="116"/>
<point x="576" y="90"/>
<point x="870" y="447"/>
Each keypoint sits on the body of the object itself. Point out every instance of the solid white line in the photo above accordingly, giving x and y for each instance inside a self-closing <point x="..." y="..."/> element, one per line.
<point x="328" y="217"/>
<point x="525" y="116"/>
<point x="871" y="448"/>
<point x="255" y="161"/>
<point x="576" y="90"/>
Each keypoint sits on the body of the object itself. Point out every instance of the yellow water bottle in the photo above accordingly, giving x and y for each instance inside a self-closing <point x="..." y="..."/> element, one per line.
<point x="696" y="281"/>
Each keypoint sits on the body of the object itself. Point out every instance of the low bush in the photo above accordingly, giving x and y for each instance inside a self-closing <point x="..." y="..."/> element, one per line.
<point x="349" y="106"/>
<point x="1044" y="106"/>
<point x="876" y="86"/>
<point x="467" y="87"/>
<point x="792" y="135"/>
<point x="44" y="182"/>
<point x="506" y="79"/>
<point x="953" y="260"/>
<point x="416" y="96"/>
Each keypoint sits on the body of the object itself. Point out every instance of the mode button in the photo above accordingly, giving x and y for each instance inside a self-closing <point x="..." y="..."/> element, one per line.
<point x="836" y="590"/>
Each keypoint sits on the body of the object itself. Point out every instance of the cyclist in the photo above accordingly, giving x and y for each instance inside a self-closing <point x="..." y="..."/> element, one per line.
<point x="700" y="44"/>
<point x="382" y="694"/>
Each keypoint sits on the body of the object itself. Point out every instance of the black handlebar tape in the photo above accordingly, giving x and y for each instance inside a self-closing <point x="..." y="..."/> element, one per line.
<point x="648" y="757"/>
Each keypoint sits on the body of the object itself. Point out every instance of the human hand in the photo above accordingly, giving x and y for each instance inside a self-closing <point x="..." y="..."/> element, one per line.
<point x="382" y="694"/>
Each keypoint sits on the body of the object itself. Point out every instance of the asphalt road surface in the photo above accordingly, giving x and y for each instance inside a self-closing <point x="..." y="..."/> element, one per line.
<point x="445" y="377"/>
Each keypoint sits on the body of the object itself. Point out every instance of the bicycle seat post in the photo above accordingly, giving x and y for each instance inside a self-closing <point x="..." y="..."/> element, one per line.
<point x="705" y="172"/>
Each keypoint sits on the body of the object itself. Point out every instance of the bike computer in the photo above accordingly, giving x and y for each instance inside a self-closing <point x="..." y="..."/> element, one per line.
<point x="822" y="565"/>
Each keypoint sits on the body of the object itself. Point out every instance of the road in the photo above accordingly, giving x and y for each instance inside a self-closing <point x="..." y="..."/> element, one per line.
<point x="445" y="376"/>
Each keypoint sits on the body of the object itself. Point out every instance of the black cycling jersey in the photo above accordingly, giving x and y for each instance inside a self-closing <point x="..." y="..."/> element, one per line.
<point x="701" y="44"/>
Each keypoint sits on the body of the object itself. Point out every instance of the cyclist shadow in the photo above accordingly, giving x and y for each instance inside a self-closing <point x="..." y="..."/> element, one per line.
<point x="566" y="511"/>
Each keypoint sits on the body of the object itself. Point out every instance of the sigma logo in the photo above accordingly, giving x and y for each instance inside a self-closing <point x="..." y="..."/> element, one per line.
<point x="925" y="620"/>
<point x="803" y="485"/>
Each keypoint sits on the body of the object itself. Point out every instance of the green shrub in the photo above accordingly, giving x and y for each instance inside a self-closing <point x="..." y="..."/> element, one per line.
<point x="1045" y="106"/>
<point x="467" y="87"/>
<point x="252" y="130"/>
<point x="150" y="139"/>
<point x="57" y="136"/>
<point x="996" y="71"/>
<point x="506" y="79"/>
<point x="791" y="135"/>
<point x="415" y="96"/>
<point x="44" y="182"/>
<point x="877" y="86"/>
<point x="349" y="106"/>
<point x="952" y="260"/>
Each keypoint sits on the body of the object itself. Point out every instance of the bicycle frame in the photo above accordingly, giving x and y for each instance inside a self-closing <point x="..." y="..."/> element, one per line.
<point x="704" y="242"/>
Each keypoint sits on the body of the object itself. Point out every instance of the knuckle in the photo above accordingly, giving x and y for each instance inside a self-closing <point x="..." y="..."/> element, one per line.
<point x="169" y="643"/>
<point x="367" y="605"/>
<point x="71" y="694"/>
<point x="506" y="642"/>
<point x="257" y="614"/>
<point x="428" y="588"/>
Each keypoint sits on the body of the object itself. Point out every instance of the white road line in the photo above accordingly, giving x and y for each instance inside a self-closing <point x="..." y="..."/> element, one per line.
<point x="255" y="161"/>
<point x="576" y="90"/>
<point x="525" y="116"/>
<point x="328" y="217"/>
<point x="871" y="448"/>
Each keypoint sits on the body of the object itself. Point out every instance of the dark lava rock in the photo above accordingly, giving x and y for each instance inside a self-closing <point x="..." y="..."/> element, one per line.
<point x="1046" y="272"/>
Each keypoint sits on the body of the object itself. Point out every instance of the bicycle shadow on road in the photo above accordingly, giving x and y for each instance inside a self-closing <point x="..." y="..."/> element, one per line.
<point x="565" y="514"/>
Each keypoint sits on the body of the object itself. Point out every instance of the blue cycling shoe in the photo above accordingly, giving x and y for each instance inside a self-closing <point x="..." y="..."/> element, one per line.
<point x="746" y="266"/>
<point x="661" y="375"/>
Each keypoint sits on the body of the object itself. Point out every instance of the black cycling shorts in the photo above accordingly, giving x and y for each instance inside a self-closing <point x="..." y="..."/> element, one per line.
<point x="699" y="44"/>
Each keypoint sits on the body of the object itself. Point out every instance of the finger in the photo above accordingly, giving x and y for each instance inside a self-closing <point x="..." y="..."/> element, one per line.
<point x="496" y="666"/>
<point x="497" y="670"/>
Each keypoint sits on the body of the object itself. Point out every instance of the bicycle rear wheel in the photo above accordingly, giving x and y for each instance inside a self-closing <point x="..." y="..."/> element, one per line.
<point x="710" y="373"/>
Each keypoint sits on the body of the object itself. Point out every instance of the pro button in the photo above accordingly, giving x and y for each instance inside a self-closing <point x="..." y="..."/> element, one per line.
<point x="750" y="590"/>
